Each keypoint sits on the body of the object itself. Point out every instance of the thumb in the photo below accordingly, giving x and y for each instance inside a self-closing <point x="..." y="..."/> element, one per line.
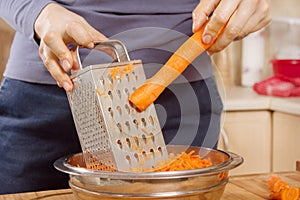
<point x="201" y="13"/>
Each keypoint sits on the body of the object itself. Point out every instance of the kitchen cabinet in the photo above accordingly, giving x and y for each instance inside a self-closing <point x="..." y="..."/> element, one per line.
<point x="265" y="130"/>
<point x="248" y="134"/>
<point x="286" y="141"/>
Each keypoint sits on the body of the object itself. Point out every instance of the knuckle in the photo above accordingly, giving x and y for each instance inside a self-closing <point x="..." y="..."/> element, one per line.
<point x="268" y="19"/>
<point x="61" y="55"/>
<point x="218" y="20"/>
<point x="265" y="10"/>
<point x="220" y="17"/>
<point x="81" y="19"/>
<point x="71" y="24"/>
<point x="232" y="32"/>
<point x="194" y="14"/>
<point x="217" y="48"/>
<point x="41" y="51"/>
<point x="265" y="6"/>
<point x="50" y="36"/>
<point x="242" y="34"/>
<point x="48" y="63"/>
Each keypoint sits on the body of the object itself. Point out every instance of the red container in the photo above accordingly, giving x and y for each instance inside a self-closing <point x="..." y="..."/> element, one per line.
<point x="288" y="68"/>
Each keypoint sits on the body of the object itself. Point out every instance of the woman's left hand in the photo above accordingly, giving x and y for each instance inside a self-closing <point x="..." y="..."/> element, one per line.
<point x="241" y="17"/>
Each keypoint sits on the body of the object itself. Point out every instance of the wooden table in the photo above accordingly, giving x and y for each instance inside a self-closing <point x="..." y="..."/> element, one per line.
<point x="239" y="187"/>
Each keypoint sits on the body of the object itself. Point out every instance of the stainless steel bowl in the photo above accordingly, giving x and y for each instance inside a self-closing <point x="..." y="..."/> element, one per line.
<point x="206" y="183"/>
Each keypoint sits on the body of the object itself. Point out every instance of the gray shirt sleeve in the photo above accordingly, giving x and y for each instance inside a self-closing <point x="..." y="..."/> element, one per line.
<point x="21" y="14"/>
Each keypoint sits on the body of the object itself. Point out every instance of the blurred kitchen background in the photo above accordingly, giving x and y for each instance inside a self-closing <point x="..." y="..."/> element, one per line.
<point x="230" y="62"/>
<point x="265" y="130"/>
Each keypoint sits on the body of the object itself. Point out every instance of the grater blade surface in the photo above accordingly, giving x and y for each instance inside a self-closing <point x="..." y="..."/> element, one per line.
<point x="114" y="135"/>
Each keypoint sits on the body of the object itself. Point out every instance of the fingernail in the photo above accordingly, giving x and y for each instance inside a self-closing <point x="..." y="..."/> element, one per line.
<point x="193" y="27"/>
<point x="66" y="65"/>
<point x="67" y="86"/>
<point x="58" y="84"/>
<point x="90" y="45"/>
<point x="194" y="19"/>
<point x="207" y="39"/>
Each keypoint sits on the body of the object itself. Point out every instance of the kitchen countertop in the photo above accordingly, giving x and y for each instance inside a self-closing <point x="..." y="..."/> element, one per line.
<point x="239" y="187"/>
<point x="246" y="99"/>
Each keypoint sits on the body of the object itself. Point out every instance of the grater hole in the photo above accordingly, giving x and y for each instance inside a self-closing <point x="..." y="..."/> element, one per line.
<point x="127" y="108"/>
<point x="136" y="122"/>
<point x="111" y="111"/>
<point x="151" y="120"/>
<point x="128" y="159"/>
<point x="101" y="81"/>
<point x="144" y="154"/>
<point x="127" y="77"/>
<point x="136" y="140"/>
<point x="134" y="89"/>
<point x="127" y="125"/>
<point x="133" y="106"/>
<point x="152" y="152"/>
<point x="144" y="122"/>
<point x="128" y="142"/>
<point x="152" y="137"/>
<point x="144" y="138"/>
<point x="119" y="94"/>
<point x="119" y="109"/>
<point x="119" y="79"/>
<point x="120" y="144"/>
<point x="126" y="92"/>
<point x="120" y="127"/>
<point x="160" y="150"/>
<point x="110" y="94"/>
<point x="110" y="79"/>
<point x="136" y="156"/>
<point x="134" y="75"/>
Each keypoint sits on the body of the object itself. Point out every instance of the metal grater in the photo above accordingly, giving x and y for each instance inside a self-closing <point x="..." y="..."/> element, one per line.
<point x="113" y="134"/>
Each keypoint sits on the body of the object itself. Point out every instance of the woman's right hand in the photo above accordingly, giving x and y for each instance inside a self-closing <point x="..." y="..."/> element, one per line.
<point x="57" y="27"/>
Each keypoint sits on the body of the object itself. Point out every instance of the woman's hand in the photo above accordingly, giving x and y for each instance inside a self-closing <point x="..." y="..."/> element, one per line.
<point x="242" y="17"/>
<point x="57" y="27"/>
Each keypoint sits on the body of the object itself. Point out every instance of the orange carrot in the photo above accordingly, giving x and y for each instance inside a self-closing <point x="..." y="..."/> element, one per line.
<point x="280" y="190"/>
<point x="184" y="161"/>
<point x="119" y="72"/>
<point x="187" y="52"/>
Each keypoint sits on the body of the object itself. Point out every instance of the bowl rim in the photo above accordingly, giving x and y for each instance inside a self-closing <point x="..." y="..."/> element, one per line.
<point x="233" y="161"/>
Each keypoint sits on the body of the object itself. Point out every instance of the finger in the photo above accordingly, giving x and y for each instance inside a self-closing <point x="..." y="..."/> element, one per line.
<point x="264" y="22"/>
<point x="80" y="33"/>
<point x="57" y="46"/>
<point x="235" y="26"/>
<point x="220" y="17"/>
<point x="51" y="63"/>
<point x="257" y="21"/>
<point x="76" y="65"/>
<point x="202" y="11"/>
<point x="94" y="34"/>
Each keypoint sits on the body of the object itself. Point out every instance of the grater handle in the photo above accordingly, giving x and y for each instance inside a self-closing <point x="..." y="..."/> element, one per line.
<point x="115" y="48"/>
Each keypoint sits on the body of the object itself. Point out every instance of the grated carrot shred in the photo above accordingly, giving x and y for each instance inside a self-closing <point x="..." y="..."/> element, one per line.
<point x="119" y="72"/>
<point x="183" y="161"/>
<point x="280" y="190"/>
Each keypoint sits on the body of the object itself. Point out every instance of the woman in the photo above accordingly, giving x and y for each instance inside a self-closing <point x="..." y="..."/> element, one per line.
<point x="36" y="125"/>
